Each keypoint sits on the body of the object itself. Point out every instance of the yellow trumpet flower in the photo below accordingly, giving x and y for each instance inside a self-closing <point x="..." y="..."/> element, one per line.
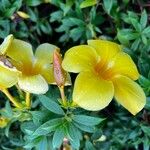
<point x="37" y="70"/>
<point x="9" y="74"/>
<point x="105" y="71"/>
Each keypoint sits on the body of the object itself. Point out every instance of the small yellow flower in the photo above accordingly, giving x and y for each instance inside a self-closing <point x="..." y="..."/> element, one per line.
<point x="104" y="71"/>
<point x="9" y="74"/>
<point x="36" y="69"/>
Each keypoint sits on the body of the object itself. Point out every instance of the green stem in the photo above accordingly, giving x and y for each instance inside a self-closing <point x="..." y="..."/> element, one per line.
<point x="28" y="100"/>
<point x="20" y="92"/>
<point x="62" y="93"/>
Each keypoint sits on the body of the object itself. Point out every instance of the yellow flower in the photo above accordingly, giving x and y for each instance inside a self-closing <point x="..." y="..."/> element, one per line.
<point x="36" y="69"/>
<point x="8" y="73"/>
<point x="104" y="71"/>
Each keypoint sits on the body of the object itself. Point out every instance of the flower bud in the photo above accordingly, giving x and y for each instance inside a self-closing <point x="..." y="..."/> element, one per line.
<point x="59" y="73"/>
<point x="23" y="15"/>
<point x="3" y="122"/>
<point x="47" y="1"/>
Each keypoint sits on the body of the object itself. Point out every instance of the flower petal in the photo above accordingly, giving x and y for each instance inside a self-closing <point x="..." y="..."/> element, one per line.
<point x="47" y="73"/>
<point x="79" y="58"/>
<point x="33" y="84"/>
<point x="129" y="94"/>
<point x="105" y="49"/>
<point x="123" y="64"/>
<point x="8" y="76"/>
<point x="43" y="61"/>
<point x="6" y="43"/>
<point x="21" y="52"/>
<point x="44" y="53"/>
<point x="91" y="92"/>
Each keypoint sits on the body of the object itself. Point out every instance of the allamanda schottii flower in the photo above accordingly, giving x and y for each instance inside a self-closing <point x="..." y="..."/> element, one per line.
<point x="8" y="73"/>
<point x="36" y="70"/>
<point x="105" y="71"/>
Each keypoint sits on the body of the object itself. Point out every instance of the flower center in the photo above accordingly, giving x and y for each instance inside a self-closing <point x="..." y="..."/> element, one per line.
<point x="104" y="70"/>
<point x="6" y="61"/>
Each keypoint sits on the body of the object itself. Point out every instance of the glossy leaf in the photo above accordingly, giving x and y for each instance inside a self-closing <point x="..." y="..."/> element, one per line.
<point x="51" y="105"/>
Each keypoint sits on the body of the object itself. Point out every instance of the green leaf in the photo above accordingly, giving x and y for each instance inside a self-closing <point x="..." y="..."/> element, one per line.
<point x="87" y="120"/>
<point x="88" y="3"/>
<point x="146" y="129"/>
<point x="126" y="35"/>
<point x="45" y="27"/>
<point x="64" y="38"/>
<point x="136" y="25"/>
<point x="47" y="127"/>
<point x="108" y="5"/>
<point x="10" y="12"/>
<point x="33" y="15"/>
<point x="145" y="83"/>
<point x="76" y="33"/>
<point x="28" y="127"/>
<point x="33" y="2"/>
<point x="4" y="28"/>
<point x="89" y="145"/>
<point x="66" y="7"/>
<point x="7" y="112"/>
<point x="146" y="31"/>
<point x="56" y="16"/>
<point x="43" y="145"/>
<point x="75" y="136"/>
<point x="51" y="105"/>
<point x="146" y="143"/>
<point x="8" y="108"/>
<point x="58" y="137"/>
<point x="144" y="39"/>
<point x="76" y="21"/>
<point x="41" y="116"/>
<point x="33" y="143"/>
<point x="85" y="128"/>
<point x="122" y="37"/>
<point x="9" y="125"/>
<point x="143" y="19"/>
<point x="135" y="44"/>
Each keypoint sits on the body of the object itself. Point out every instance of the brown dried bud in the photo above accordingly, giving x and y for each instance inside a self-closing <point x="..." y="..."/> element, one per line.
<point x="59" y="72"/>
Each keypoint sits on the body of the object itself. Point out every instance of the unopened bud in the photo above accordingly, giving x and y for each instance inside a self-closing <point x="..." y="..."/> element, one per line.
<point x="59" y="72"/>
<point x="23" y="15"/>
<point x="3" y="122"/>
<point x="47" y="1"/>
<point x="102" y="138"/>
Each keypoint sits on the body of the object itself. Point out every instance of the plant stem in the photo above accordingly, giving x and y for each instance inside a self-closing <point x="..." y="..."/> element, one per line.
<point x="62" y="93"/>
<point x="65" y="145"/>
<point x="19" y="90"/>
<point x="28" y="100"/>
<point x="12" y="99"/>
